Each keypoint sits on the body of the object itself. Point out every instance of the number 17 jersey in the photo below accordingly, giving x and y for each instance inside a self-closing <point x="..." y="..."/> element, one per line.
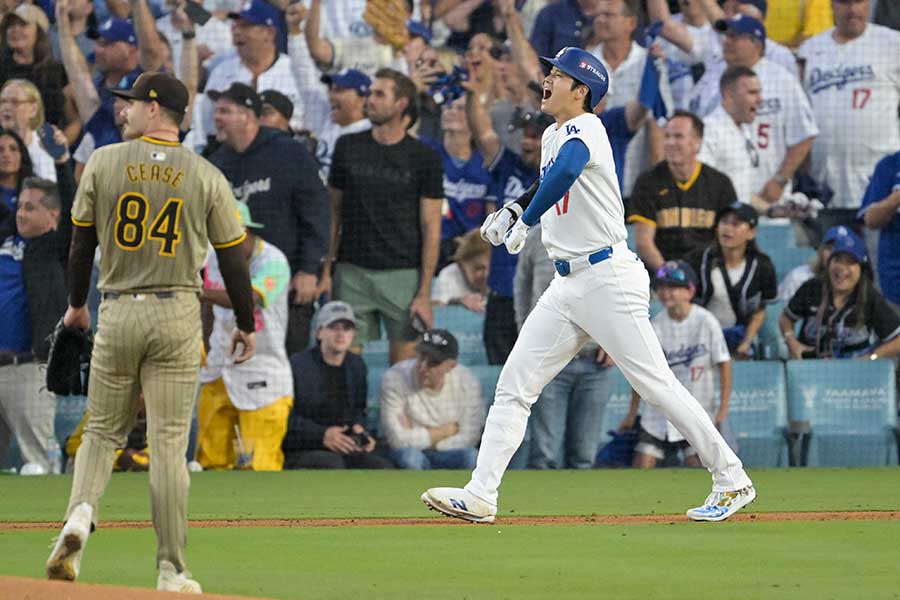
<point x="156" y="206"/>
<point x="590" y="216"/>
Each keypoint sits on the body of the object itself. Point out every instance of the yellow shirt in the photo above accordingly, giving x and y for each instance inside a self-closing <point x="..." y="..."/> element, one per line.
<point x="790" y="22"/>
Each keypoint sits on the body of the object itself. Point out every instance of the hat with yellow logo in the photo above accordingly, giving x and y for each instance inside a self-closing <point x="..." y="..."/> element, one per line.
<point x="162" y="88"/>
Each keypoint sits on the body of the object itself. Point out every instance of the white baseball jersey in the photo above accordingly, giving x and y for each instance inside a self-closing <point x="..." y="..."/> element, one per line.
<point x="215" y="34"/>
<point x="267" y="376"/>
<point x="855" y="90"/>
<point x="694" y="348"/>
<point x="731" y="149"/>
<point x="591" y="215"/>
<point x="680" y="63"/>
<point x="343" y="19"/>
<point x="278" y="77"/>
<point x="625" y="82"/>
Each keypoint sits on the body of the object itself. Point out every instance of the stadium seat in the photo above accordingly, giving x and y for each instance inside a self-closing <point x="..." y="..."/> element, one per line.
<point x="773" y="237"/>
<point x="373" y="383"/>
<point x="376" y="354"/>
<point x="769" y="342"/>
<point x="458" y="320"/>
<point x="632" y="244"/>
<point x="851" y="409"/>
<point x="786" y="259"/>
<point x="758" y="412"/>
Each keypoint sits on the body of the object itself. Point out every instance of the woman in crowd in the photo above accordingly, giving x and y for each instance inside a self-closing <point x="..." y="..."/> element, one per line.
<point x="842" y="314"/>
<point x="736" y="279"/>
<point x="25" y="54"/>
<point x="15" y="166"/>
<point x="464" y="281"/>
<point x="22" y="110"/>
<point x="815" y="268"/>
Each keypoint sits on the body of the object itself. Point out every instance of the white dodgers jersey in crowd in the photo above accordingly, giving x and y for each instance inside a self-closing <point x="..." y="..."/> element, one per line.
<point x="267" y="376"/>
<point x="694" y="348"/>
<point x="854" y="89"/>
<point x="590" y="216"/>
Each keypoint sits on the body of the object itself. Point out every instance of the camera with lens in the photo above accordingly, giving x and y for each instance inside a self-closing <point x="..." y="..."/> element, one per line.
<point x="361" y="439"/>
<point x="448" y="87"/>
<point x="522" y="118"/>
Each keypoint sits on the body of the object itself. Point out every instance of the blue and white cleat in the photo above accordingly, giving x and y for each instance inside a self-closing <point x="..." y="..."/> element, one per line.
<point x="721" y="505"/>
<point x="460" y="504"/>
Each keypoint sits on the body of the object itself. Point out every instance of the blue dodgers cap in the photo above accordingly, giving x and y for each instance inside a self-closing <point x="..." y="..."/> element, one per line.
<point x="676" y="272"/>
<point x="853" y="245"/>
<point x="115" y="29"/>
<point x="584" y="67"/>
<point x="744" y="25"/>
<point x="761" y="5"/>
<point x="419" y="29"/>
<point x="349" y="79"/>
<point x="836" y="232"/>
<point x="257" y="12"/>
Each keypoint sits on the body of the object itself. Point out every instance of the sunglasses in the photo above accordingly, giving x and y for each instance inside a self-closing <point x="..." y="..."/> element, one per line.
<point x="672" y="272"/>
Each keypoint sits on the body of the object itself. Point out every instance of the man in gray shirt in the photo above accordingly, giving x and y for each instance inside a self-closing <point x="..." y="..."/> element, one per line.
<point x="567" y="421"/>
<point x="432" y="412"/>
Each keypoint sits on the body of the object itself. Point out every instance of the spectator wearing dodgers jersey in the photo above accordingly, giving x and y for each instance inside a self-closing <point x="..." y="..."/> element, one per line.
<point x="880" y="212"/>
<point x="852" y="76"/>
<point x="256" y="63"/>
<point x="784" y="128"/>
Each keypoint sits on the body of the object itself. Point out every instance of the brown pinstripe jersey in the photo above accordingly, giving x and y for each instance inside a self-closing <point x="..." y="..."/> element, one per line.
<point x="156" y="206"/>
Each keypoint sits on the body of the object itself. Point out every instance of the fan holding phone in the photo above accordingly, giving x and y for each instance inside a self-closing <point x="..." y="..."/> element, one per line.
<point x="22" y="111"/>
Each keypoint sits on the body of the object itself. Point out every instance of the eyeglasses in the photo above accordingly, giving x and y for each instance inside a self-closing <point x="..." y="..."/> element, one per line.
<point x="672" y="272"/>
<point x="15" y="101"/>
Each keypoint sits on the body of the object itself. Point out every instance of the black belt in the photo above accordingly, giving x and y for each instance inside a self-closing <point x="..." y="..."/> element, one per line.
<point x="117" y="295"/>
<point x="15" y="358"/>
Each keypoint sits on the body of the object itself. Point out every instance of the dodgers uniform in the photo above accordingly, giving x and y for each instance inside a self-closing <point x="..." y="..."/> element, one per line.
<point x="606" y="301"/>
<point x="256" y="395"/>
<point x="730" y="147"/>
<point x="854" y="89"/>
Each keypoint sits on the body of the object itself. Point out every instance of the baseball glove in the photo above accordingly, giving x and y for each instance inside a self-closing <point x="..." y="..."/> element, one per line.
<point x="70" y="354"/>
<point x="388" y="19"/>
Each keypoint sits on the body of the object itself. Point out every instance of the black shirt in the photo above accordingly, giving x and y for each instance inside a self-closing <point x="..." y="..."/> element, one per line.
<point x="841" y="336"/>
<point x="684" y="214"/>
<point x="382" y="186"/>
<point x="756" y="287"/>
<point x="50" y="79"/>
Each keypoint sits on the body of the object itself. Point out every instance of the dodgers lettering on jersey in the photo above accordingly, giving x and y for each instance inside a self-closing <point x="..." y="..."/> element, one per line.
<point x="591" y="215"/>
<point x="467" y="186"/>
<point x="854" y="89"/>
<point x="512" y="178"/>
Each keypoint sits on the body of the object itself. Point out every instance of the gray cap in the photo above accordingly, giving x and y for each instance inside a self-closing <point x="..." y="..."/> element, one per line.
<point x="334" y="312"/>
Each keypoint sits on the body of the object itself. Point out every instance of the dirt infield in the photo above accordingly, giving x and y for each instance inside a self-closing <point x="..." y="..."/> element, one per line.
<point x="36" y="589"/>
<point x="504" y="520"/>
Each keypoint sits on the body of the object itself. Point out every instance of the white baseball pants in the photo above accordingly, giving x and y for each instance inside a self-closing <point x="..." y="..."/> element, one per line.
<point x="609" y="303"/>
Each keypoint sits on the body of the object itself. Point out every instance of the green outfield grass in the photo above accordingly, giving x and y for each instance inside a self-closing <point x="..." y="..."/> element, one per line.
<point x="685" y="560"/>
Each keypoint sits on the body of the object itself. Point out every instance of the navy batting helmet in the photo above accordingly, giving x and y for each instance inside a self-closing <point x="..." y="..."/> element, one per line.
<point x="583" y="67"/>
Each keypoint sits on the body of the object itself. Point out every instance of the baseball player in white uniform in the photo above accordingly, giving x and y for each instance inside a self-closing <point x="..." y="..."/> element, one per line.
<point x="601" y="292"/>
<point x="854" y="87"/>
<point x="255" y="397"/>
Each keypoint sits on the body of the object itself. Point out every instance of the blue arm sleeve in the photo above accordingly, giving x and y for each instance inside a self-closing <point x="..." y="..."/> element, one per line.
<point x="570" y="161"/>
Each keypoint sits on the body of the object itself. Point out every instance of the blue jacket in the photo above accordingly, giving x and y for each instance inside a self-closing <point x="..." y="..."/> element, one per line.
<point x="279" y="179"/>
<point x="312" y="414"/>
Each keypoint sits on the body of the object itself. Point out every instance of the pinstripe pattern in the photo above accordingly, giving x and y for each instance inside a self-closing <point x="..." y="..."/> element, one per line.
<point x="179" y="204"/>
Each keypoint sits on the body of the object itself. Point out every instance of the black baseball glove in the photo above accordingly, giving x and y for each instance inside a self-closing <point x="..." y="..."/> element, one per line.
<point x="70" y="354"/>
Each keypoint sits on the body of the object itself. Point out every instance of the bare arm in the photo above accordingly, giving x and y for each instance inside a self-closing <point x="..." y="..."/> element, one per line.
<point x="320" y="49"/>
<point x="674" y="31"/>
<point x="793" y="158"/>
<point x="635" y="114"/>
<point x="654" y="142"/>
<point x="631" y="416"/>
<point x="753" y="327"/>
<point x="457" y="18"/>
<point x="150" y="46"/>
<point x="87" y="100"/>
<point x="523" y="53"/>
<point x="430" y="222"/>
<point x="190" y="62"/>
<point x="880" y="214"/>
<point x="486" y="137"/>
<point x="442" y="7"/>
<point x="888" y="349"/>
<point x="221" y="298"/>
<point x="712" y="9"/>
<point x="336" y="197"/>
<point x="644" y="235"/>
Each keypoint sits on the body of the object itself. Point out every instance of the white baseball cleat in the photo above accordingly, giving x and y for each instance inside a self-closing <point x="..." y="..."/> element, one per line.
<point x="459" y="503"/>
<point x="65" y="560"/>
<point x="721" y="505"/>
<point x="172" y="581"/>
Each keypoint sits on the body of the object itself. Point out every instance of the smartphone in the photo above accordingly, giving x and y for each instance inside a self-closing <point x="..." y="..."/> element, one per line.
<point x="53" y="149"/>
<point x="196" y="13"/>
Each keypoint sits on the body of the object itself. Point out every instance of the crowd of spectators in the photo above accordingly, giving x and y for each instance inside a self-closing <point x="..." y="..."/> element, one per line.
<point x="364" y="149"/>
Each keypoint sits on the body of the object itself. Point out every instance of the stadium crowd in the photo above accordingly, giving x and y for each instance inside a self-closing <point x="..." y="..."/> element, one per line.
<point x="366" y="141"/>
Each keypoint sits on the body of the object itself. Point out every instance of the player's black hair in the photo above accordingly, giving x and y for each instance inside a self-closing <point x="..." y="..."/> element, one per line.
<point x="696" y="122"/>
<point x="732" y="75"/>
<point x="403" y="88"/>
<point x="586" y="103"/>
<point x="26" y="167"/>
<point x="50" y="193"/>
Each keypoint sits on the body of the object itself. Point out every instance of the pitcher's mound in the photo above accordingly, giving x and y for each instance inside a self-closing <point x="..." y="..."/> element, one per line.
<point x="39" y="589"/>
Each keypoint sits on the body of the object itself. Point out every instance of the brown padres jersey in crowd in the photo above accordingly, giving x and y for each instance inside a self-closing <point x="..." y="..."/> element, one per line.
<point x="156" y="206"/>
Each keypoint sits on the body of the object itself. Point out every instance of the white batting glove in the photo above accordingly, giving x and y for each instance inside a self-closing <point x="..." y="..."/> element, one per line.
<point x="515" y="237"/>
<point x="498" y="223"/>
